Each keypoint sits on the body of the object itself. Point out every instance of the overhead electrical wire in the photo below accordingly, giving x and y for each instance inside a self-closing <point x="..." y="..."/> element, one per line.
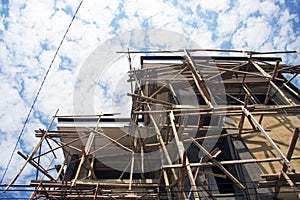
<point x="39" y="90"/>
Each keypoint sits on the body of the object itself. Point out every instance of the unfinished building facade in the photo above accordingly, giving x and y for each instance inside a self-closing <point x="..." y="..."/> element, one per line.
<point x="218" y="127"/>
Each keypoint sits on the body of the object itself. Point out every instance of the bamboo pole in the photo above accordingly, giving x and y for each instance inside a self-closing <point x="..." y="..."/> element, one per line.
<point x="266" y="135"/>
<point x="162" y="143"/>
<point x="112" y="140"/>
<point x="241" y="124"/>
<point x="31" y="154"/>
<point x="181" y="150"/>
<point x="37" y="166"/>
<point x="237" y="182"/>
<point x="151" y="99"/>
<point x="288" y="156"/>
<point x="161" y="87"/>
<point x="61" y="146"/>
<point x="85" y="152"/>
<point x="267" y="98"/>
<point x="199" y="81"/>
<point x="167" y="184"/>
<point x="61" y="169"/>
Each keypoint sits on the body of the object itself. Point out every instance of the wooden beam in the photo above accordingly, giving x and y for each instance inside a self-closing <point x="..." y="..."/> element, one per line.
<point x="111" y="139"/>
<point x="288" y="101"/>
<point x="267" y="98"/>
<point x="110" y="142"/>
<point x="161" y="87"/>
<point x="86" y="152"/>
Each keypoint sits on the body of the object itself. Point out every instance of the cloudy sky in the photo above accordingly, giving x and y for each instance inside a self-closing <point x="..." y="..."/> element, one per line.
<point x="31" y="31"/>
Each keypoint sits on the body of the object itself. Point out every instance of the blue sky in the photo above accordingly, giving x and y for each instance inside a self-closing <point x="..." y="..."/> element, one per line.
<point x="31" y="31"/>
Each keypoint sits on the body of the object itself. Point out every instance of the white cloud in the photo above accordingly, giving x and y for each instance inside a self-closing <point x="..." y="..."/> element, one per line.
<point x="228" y="22"/>
<point x="246" y="8"/>
<point x="215" y="6"/>
<point x="255" y="33"/>
<point x="12" y="108"/>
<point x="269" y="10"/>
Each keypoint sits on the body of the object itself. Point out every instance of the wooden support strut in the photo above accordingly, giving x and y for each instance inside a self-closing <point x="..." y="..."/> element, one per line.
<point x="167" y="184"/>
<point x="285" y="166"/>
<point x="237" y="182"/>
<point x="272" y="84"/>
<point x="180" y="148"/>
<point x="86" y="152"/>
<point x="31" y="154"/>
<point x="241" y="124"/>
<point x="266" y="135"/>
<point x="161" y="141"/>
<point x="267" y="98"/>
<point x="198" y="80"/>
<point x="161" y="87"/>
<point x="38" y="167"/>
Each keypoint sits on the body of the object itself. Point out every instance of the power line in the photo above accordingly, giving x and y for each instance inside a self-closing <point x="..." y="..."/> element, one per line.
<point x="39" y="90"/>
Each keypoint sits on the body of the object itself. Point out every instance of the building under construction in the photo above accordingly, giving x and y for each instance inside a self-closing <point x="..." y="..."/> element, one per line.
<point x="218" y="127"/>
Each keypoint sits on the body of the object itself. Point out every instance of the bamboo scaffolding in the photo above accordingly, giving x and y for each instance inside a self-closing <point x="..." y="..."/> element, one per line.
<point x="250" y="81"/>
<point x="31" y="154"/>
